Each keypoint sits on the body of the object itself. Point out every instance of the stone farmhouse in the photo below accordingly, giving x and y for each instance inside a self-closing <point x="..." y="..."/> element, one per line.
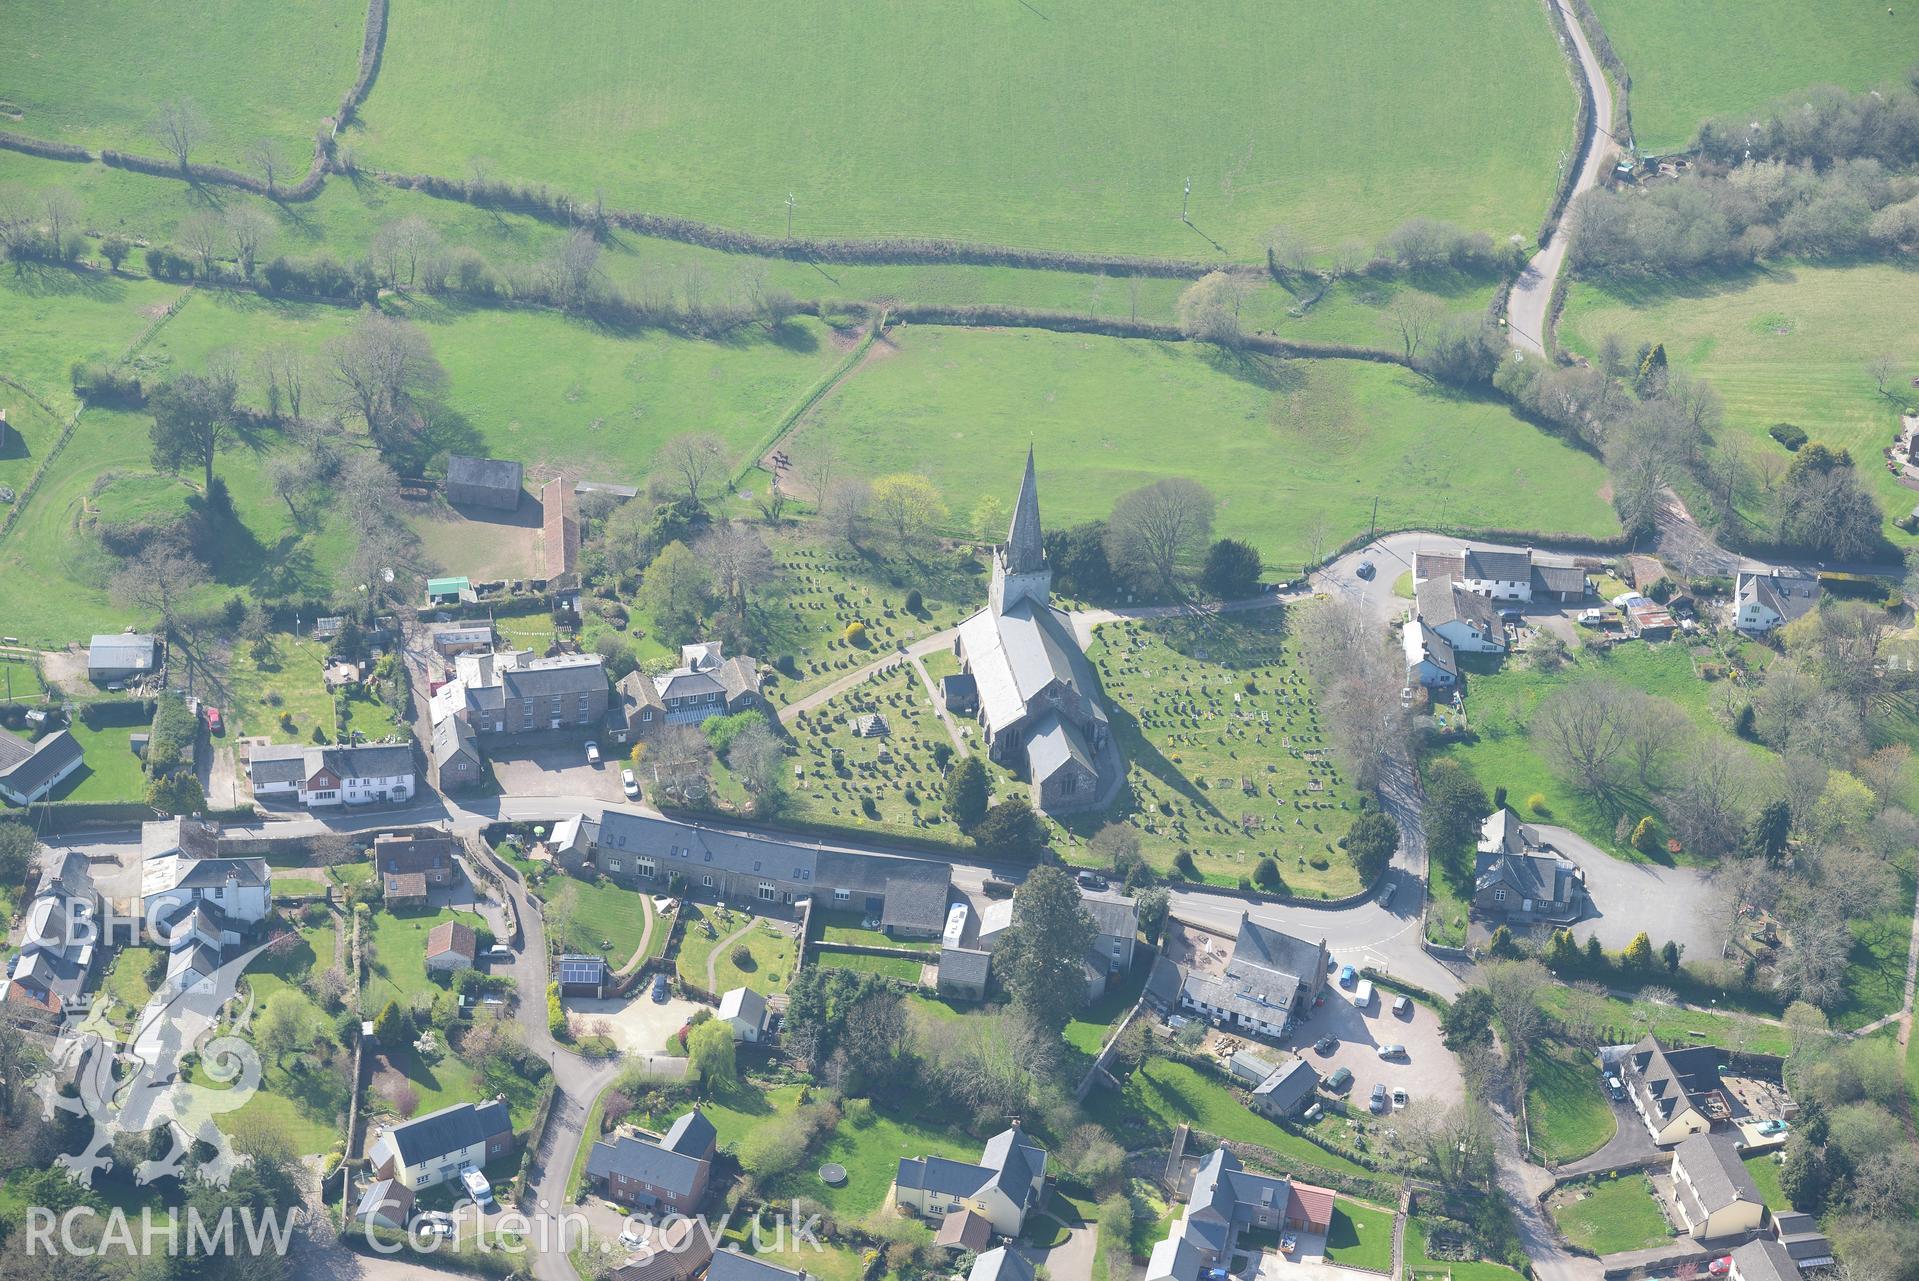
<point x="1269" y="982"/>
<point x="1226" y="1200"/>
<point x="1008" y="1181"/>
<point x="1518" y="878"/>
<point x="1521" y="576"/>
<point x="704" y="685"/>
<point x="484" y="482"/>
<point x="508" y="694"/>
<point x="1038" y="699"/>
<point x="907" y="895"/>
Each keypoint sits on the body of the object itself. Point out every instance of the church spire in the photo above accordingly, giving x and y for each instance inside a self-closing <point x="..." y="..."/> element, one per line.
<point x="1025" y="549"/>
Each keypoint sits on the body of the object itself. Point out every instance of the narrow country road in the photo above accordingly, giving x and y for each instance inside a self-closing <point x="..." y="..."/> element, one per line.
<point x="1530" y="303"/>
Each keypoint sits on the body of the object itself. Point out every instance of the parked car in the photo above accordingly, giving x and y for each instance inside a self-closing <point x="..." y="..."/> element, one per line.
<point x="592" y="752"/>
<point x="499" y="952"/>
<point x="436" y="1223"/>
<point x="1402" y="1007"/>
<point x="1400" y="1100"/>
<point x="1091" y="881"/>
<point x="1339" y="1081"/>
<point x="632" y="1237"/>
<point x="1392" y="1051"/>
<point x="1772" y="1127"/>
<point x="1616" y="1090"/>
<point x="659" y="988"/>
<point x="214" y="724"/>
<point x="1720" y="1266"/>
<point x="1326" y="1044"/>
<point x="1378" y="1101"/>
<point x="1366" y="570"/>
<point x="629" y="785"/>
<point x="1288" y="1242"/>
<point x="1347" y="976"/>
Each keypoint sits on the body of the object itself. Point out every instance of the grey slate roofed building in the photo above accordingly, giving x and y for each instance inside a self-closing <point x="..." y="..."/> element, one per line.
<point x="730" y="1265"/>
<point x="1718" y="1177"/>
<point x="1558" y="576"/>
<point x="1441" y="600"/>
<point x="451" y="1129"/>
<point x="1287" y="1090"/>
<point x="1763" y="1260"/>
<point x="31" y="770"/>
<point x="1505" y="567"/>
<point x="1000" y="1264"/>
<point x="1269" y="978"/>
<point x="484" y="482"/>
<point x="629" y="1165"/>
<point x="1543" y="886"/>
<point x="691" y="1135"/>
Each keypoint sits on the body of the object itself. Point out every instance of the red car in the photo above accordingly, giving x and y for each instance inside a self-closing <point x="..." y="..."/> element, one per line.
<point x="1720" y="1266"/>
<point x="214" y="724"/>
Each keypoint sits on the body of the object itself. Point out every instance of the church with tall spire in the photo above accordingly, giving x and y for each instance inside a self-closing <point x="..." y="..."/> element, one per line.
<point x="1035" y="694"/>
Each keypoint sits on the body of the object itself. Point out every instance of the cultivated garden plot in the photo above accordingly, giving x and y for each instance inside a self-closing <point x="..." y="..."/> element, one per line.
<point x="1226" y="758"/>
<point x="279" y="694"/>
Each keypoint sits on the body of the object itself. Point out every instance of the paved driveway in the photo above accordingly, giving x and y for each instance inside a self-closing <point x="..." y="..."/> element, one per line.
<point x="1071" y="1259"/>
<point x="1666" y="902"/>
<point x="637" y="1024"/>
<point x="1428" y="1073"/>
<point x="556" y="765"/>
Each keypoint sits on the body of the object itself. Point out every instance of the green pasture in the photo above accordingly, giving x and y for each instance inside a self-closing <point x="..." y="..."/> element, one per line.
<point x="1790" y="344"/>
<point x="1612" y="1216"/>
<point x="94" y="73"/>
<point x="1706" y="58"/>
<point x="1284" y="445"/>
<point x="1069" y="125"/>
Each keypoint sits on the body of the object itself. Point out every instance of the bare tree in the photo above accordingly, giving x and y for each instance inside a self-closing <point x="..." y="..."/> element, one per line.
<point x="378" y="368"/>
<point x="1813" y="967"/>
<point x="1581" y="730"/>
<point x="691" y="459"/>
<point x="818" y="467"/>
<point x="401" y="247"/>
<point x="1157" y="528"/>
<point x="1208" y="309"/>
<point x="680" y="759"/>
<point x="571" y="269"/>
<point x="1882" y="370"/>
<point x="206" y="235"/>
<point x="844" y="505"/>
<point x="758" y="760"/>
<point x="1319" y="531"/>
<point x="739" y="561"/>
<point x="282" y="369"/>
<point x="1357" y="680"/>
<point x="1708" y="808"/>
<point x="180" y="128"/>
<point x="1288" y="251"/>
<point x="1413" y="316"/>
<point x="269" y="157"/>
<point x="248" y="229"/>
<point x="1739" y="886"/>
<point x="1655" y="728"/>
<point x="1515" y="988"/>
<point x="62" y="211"/>
<point x="159" y="580"/>
<point x="1456" y="1142"/>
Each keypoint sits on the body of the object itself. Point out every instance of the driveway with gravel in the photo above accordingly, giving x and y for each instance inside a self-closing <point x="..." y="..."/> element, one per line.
<point x="1666" y="902"/>
<point x="1427" y="1072"/>
<point x="637" y="1024"/>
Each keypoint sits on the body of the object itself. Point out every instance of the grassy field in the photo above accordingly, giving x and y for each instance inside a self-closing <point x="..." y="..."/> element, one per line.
<point x="1224" y="749"/>
<point x="1691" y="61"/>
<point x="1282" y="445"/>
<point x="81" y="73"/>
<point x="1360" y="1237"/>
<point x="1565" y="1106"/>
<point x="286" y="682"/>
<point x="1069" y="124"/>
<point x="1611" y="1216"/>
<point x="1786" y="345"/>
<point x="1163" y="1093"/>
<point x="19" y="681"/>
<point x="845" y="927"/>
<point x="111" y="772"/>
<point x="1676" y="1026"/>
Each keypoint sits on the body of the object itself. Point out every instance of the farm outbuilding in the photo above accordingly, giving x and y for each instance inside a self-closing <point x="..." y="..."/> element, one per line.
<point x="484" y="482"/>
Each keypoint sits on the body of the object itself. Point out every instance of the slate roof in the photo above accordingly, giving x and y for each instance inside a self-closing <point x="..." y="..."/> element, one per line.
<point x="647" y="1162"/>
<point x="366" y="760"/>
<point x="1719" y="1178"/>
<point x="451" y="1129"/>
<point x="745" y="1004"/>
<point x="1790" y="593"/>
<point x="72" y="876"/>
<point x="915" y="902"/>
<point x="453" y="737"/>
<point x="1264" y="978"/>
<point x="410" y="853"/>
<point x="27" y="767"/>
<point x="730" y="1265"/>
<point x="456" y="937"/>
<point x="964" y="966"/>
<point x="1764" y="1260"/>
<point x="1503" y="830"/>
<point x="1000" y="1265"/>
<point x="1557" y="575"/>
<point x="1441" y="601"/>
<point x="1423" y="644"/>
<point x="1485" y="565"/>
<point x="1016" y="654"/>
<point x="1541" y="877"/>
<point x="499" y="474"/>
<point x="388" y="1198"/>
<point x="277" y="763"/>
<point x="691" y="1135"/>
<point x="195" y="838"/>
<point x="1114" y="915"/>
<point x="1052" y="744"/>
<point x="1670" y="1080"/>
<point x="173" y="872"/>
<point x="1289" y="1086"/>
<point x="1009" y="1162"/>
<point x="564" y="674"/>
<point x="1025" y="545"/>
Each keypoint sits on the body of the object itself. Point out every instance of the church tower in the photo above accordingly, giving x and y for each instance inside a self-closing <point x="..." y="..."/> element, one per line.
<point x="1020" y="571"/>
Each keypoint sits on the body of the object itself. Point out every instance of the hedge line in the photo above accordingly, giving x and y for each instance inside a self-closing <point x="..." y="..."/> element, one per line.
<point x="1615" y="66"/>
<point x="1583" y="125"/>
<point x="991" y="314"/>
<point x="45" y="148"/>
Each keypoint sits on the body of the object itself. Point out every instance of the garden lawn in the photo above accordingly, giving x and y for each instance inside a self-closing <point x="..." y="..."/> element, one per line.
<point x="608" y="920"/>
<point x="19" y="681"/>
<point x="283" y="682"/>
<point x="1789" y="344"/>
<point x="1616" y="1215"/>
<point x="1361" y="1237"/>
<point x="845" y="927"/>
<point x="1072" y="127"/>
<point x="1087" y="1030"/>
<point x="1627" y="1021"/>
<point x="1286" y="447"/>
<point x="1162" y="1093"/>
<point x="1764" y="1169"/>
<point x="1226" y="772"/>
<point x="772" y="948"/>
<point x="397" y="967"/>
<point x="903" y="968"/>
<point x="111" y="772"/>
<point x="1418" y="1260"/>
<point x="131" y="979"/>
<point x="1692" y="61"/>
<point x="1565" y="1104"/>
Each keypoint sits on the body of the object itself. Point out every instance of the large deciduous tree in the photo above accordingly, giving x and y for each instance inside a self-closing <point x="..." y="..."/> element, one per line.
<point x="908" y="505"/>
<point x="688" y="462"/>
<point x="378" y="369"/>
<point x="192" y="417"/>
<point x="1157" y="529"/>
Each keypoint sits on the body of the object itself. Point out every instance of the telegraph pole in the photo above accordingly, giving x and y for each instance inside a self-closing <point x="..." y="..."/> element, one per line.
<point x="789" y="215"/>
<point x="1184" y="201"/>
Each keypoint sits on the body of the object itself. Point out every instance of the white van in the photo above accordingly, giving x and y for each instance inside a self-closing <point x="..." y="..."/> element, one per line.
<point x="1363" y="995"/>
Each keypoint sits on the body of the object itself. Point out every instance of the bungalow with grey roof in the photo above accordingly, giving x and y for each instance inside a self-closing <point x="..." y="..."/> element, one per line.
<point x="30" y="770"/>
